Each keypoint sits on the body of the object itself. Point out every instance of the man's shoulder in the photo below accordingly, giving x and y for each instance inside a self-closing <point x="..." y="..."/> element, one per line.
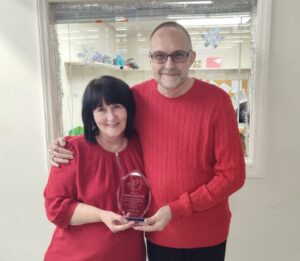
<point x="143" y="85"/>
<point x="211" y="89"/>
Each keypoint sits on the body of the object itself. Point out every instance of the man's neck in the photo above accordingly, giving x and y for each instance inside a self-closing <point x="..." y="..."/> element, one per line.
<point x="178" y="91"/>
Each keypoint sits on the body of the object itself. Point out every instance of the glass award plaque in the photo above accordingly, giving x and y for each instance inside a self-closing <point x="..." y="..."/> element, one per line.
<point x="134" y="196"/>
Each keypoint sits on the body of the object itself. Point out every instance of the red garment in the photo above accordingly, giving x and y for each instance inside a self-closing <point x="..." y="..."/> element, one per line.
<point x="92" y="178"/>
<point x="193" y="160"/>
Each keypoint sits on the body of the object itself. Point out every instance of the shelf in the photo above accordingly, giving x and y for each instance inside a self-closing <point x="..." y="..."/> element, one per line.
<point x="99" y="65"/>
<point x="221" y="74"/>
<point x="202" y="73"/>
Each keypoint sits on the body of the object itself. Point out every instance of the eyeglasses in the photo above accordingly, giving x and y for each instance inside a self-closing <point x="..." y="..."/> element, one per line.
<point x="177" y="56"/>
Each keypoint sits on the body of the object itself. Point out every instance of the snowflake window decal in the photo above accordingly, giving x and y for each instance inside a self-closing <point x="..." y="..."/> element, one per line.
<point x="212" y="37"/>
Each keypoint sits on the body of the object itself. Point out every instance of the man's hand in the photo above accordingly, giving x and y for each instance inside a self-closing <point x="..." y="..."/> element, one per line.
<point x="158" y="221"/>
<point x="58" y="154"/>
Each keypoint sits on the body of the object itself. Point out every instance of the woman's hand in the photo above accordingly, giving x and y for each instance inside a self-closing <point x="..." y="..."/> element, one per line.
<point x="86" y="214"/>
<point x="115" y="222"/>
<point x="58" y="154"/>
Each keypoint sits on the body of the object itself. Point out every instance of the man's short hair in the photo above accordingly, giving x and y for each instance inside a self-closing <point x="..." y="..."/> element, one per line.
<point x="172" y="24"/>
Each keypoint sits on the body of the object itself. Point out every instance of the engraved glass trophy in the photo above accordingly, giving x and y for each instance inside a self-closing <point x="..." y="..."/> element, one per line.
<point x="134" y="196"/>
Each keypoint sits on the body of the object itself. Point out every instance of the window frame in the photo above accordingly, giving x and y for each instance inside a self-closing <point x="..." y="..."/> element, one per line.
<point x="260" y="68"/>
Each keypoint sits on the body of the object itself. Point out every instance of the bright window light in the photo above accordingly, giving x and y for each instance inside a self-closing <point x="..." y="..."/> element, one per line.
<point x="92" y="30"/>
<point x="121" y="28"/>
<point x="121" y="35"/>
<point x="120" y="19"/>
<point x="214" y="21"/>
<point x="190" y="3"/>
<point x="245" y="19"/>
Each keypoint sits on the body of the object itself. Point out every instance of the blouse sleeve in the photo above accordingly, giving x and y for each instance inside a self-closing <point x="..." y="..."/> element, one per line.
<point x="60" y="193"/>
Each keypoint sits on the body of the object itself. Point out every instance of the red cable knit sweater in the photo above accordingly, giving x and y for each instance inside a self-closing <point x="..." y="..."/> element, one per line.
<point x="193" y="159"/>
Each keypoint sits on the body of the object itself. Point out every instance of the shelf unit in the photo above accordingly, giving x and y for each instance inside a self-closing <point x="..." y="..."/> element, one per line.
<point x="203" y="73"/>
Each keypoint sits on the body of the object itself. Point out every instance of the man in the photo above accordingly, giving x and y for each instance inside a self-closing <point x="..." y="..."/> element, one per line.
<point x="192" y="153"/>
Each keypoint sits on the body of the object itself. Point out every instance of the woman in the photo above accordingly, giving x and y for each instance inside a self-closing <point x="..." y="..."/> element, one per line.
<point x="80" y="197"/>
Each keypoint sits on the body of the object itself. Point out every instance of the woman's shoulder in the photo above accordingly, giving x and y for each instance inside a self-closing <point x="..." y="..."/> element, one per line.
<point x="134" y="140"/>
<point x="134" y="143"/>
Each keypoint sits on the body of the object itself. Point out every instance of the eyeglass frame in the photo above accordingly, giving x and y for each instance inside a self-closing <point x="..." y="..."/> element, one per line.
<point x="187" y="54"/>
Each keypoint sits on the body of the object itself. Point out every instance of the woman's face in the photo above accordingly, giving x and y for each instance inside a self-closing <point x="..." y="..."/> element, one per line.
<point x="111" y="120"/>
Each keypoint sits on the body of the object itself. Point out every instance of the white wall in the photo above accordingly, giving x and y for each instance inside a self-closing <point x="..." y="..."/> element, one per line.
<point x="24" y="231"/>
<point x="266" y="212"/>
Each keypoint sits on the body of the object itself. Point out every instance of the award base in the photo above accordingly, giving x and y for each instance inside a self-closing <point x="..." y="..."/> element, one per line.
<point x="136" y="219"/>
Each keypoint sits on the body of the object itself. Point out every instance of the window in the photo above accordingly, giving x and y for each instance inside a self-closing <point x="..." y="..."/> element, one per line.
<point x="87" y="40"/>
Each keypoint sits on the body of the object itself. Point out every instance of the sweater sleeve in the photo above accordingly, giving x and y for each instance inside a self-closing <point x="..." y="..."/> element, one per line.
<point x="60" y="193"/>
<point x="229" y="165"/>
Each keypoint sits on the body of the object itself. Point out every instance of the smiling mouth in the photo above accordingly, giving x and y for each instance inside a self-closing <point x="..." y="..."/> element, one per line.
<point x="169" y="74"/>
<point x="114" y="125"/>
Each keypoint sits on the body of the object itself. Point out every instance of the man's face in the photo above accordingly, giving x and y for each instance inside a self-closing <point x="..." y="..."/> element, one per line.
<point x="171" y="75"/>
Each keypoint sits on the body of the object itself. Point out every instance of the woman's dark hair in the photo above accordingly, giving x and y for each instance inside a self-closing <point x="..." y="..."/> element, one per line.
<point x="110" y="90"/>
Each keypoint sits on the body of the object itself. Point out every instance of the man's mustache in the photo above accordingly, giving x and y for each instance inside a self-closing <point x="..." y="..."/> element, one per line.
<point x="169" y="71"/>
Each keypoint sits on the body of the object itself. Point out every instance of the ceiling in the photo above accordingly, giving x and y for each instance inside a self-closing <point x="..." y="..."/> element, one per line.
<point x="69" y="9"/>
<point x="141" y="17"/>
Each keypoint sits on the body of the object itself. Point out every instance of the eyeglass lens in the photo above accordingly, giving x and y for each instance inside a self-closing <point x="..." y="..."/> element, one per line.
<point x="162" y="57"/>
